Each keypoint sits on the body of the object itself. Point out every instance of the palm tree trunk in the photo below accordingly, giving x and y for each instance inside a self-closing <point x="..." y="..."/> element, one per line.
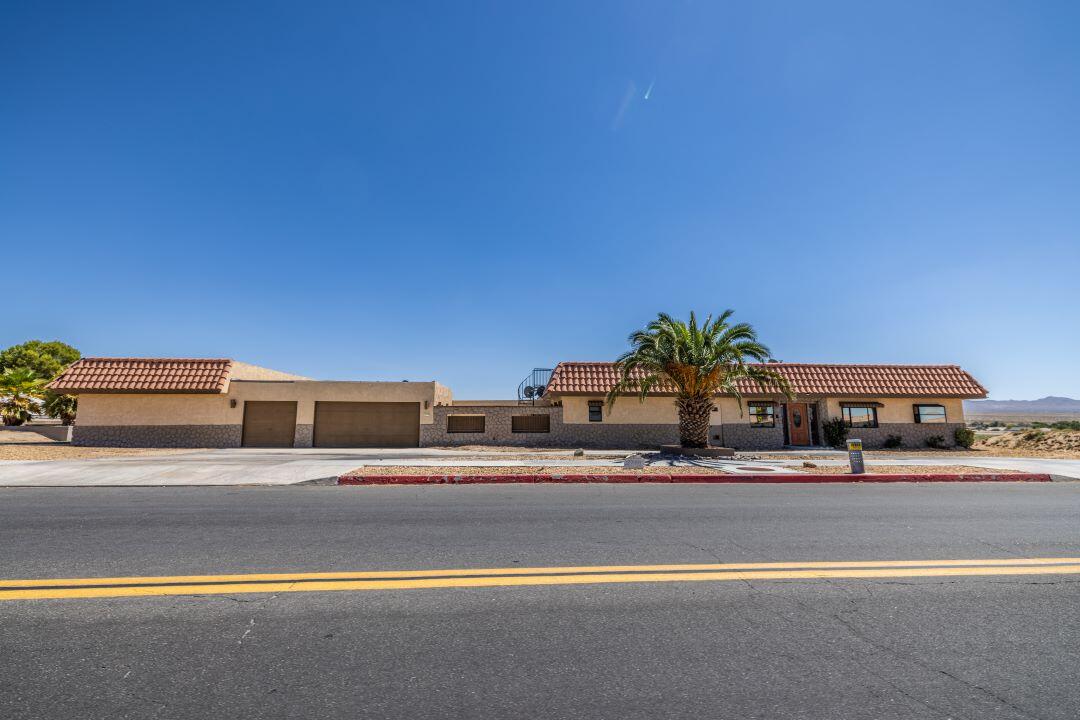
<point x="694" y="421"/>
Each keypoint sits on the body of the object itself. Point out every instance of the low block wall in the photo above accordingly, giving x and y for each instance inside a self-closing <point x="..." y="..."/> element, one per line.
<point x="61" y="433"/>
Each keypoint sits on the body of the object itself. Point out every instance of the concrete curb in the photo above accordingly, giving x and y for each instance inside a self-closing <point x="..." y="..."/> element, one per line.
<point x="679" y="479"/>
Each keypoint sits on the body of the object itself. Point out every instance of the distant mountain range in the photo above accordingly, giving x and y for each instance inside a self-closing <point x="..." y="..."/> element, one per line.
<point x="1049" y="405"/>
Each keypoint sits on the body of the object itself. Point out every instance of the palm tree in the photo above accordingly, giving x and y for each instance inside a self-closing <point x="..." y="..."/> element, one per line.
<point x="60" y="406"/>
<point x="19" y="390"/>
<point x="697" y="362"/>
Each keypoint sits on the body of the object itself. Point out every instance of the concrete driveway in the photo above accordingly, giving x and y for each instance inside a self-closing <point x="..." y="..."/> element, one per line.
<point x="240" y="466"/>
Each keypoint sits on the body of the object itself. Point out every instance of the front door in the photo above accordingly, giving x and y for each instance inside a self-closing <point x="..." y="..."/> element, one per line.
<point x="798" y="422"/>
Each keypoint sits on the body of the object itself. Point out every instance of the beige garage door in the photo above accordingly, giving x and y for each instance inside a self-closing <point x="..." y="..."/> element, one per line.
<point x="367" y="424"/>
<point x="269" y="423"/>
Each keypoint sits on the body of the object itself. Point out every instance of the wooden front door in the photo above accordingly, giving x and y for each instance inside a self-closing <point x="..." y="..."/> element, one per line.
<point x="798" y="423"/>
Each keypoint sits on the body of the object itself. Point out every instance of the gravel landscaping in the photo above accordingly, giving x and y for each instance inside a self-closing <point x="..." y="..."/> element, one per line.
<point x="21" y="445"/>
<point x="908" y="470"/>
<point x="530" y="470"/>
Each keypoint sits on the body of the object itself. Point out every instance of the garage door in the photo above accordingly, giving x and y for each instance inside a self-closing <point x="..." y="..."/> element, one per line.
<point x="269" y="423"/>
<point x="367" y="424"/>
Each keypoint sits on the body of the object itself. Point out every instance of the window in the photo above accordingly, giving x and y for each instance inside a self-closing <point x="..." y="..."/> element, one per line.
<point x="930" y="413"/>
<point x="762" y="414"/>
<point x="530" y="423"/>
<point x="465" y="423"/>
<point x="860" y="416"/>
<point x="596" y="411"/>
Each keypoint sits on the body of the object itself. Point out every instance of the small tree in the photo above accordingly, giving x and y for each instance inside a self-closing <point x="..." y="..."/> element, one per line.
<point x="20" y="389"/>
<point x="46" y="359"/>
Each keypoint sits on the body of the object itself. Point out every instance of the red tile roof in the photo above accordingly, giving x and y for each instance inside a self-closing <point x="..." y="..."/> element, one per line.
<point x="145" y="375"/>
<point x="597" y="378"/>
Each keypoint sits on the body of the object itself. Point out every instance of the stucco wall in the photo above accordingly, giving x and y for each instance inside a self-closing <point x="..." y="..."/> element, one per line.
<point x="900" y="410"/>
<point x="112" y="410"/>
<point x="161" y="409"/>
<point x="654" y="410"/>
<point x="247" y="371"/>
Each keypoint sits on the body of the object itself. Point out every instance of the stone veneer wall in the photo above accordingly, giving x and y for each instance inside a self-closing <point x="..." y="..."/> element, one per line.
<point x="497" y="431"/>
<point x="304" y="436"/>
<point x="913" y="434"/>
<point x="176" y="436"/>
<point x="743" y="436"/>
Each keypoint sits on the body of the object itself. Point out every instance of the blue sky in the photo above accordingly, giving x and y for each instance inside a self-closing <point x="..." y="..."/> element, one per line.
<point x="464" y="192"/>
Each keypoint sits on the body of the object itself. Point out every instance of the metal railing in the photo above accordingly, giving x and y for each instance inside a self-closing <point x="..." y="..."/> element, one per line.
<point x="533" y="387"/>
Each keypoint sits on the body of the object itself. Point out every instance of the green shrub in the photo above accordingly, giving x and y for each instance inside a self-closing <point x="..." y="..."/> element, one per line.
<point x="936" y="441"/>
<point x="893" y="441"/>
<point x="835" y="432"/>
<point x="965" y="437"/>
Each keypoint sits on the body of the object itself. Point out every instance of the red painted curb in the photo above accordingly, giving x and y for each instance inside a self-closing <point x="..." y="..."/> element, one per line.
<point x="678" y="479"/>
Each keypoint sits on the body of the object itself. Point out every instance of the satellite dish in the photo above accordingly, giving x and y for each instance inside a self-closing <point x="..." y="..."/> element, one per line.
<point x="530" y="392"/>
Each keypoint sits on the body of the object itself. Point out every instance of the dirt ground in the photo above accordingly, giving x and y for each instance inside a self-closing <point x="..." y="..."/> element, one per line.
<point x="21" y="445"/>
<point x="1033" y="443"/>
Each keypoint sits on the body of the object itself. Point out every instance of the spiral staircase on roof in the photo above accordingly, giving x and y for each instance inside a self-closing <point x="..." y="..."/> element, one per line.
<point x="533" y="387"/>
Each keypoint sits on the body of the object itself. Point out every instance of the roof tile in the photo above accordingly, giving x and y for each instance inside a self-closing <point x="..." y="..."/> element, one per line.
<point x="597" y="378"/>
<point x="145" y="375"/>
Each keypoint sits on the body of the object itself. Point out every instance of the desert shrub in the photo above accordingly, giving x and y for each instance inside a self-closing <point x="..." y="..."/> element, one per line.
<point x="893" y="441"/>
<point x="835" y="432"/>
<point x="1032" y="435"/>
<point x="1066" y="425"/>
<point x="936" y="441"/>
<point x="965" y="437"/>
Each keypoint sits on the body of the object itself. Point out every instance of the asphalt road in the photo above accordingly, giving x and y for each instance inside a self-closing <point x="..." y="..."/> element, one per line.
<point x="897" y="647"/>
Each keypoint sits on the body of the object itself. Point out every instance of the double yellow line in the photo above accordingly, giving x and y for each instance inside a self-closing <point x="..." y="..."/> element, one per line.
<point x="507" y="577"/>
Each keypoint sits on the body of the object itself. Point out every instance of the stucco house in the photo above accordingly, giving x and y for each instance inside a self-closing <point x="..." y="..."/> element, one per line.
<point x="180" y="402"/>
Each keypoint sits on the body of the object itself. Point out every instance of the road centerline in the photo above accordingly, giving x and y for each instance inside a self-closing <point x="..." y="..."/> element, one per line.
<point x="32" y="589"/>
